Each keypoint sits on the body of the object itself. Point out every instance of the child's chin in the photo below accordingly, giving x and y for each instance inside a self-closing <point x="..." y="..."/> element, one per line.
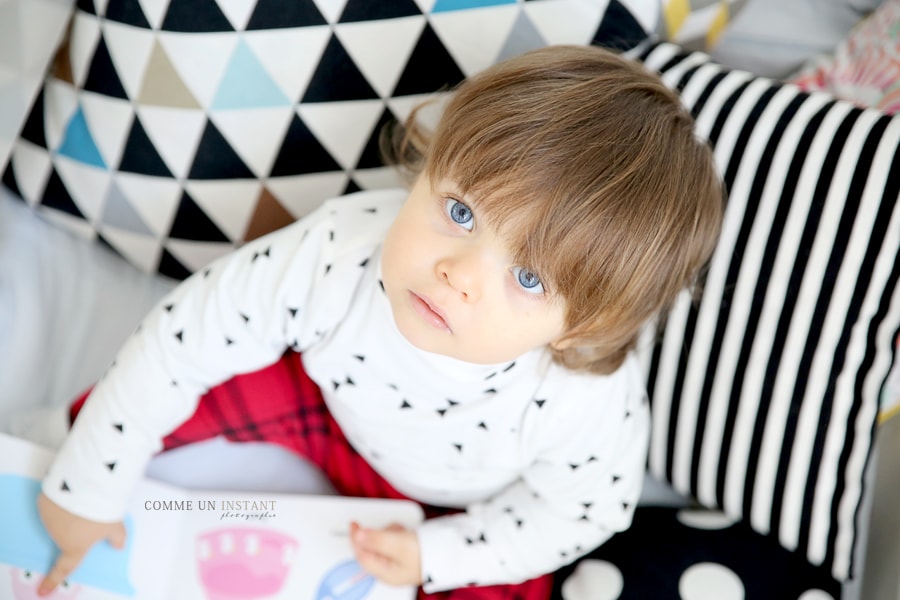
<point x="447" y="350"/>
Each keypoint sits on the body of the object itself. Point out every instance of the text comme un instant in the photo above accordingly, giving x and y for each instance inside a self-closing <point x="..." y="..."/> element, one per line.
<point x="184" y="505"/>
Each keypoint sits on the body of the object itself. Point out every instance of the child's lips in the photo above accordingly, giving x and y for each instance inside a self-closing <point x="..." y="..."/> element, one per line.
<point x="429" y="311"/>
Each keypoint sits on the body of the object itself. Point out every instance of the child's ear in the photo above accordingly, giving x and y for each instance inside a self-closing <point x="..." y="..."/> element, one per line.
<point x="562" y="343"/>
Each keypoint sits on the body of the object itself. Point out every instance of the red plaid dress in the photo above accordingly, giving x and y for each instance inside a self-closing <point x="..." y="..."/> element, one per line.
<point x="280" y="404"/>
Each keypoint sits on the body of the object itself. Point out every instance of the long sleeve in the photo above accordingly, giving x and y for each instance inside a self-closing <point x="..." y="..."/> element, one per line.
<point x="577" y="494"/>
<point x="236" y="316"/>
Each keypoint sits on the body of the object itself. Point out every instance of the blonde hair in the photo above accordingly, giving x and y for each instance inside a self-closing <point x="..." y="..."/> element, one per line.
<point x="589" y="167"/>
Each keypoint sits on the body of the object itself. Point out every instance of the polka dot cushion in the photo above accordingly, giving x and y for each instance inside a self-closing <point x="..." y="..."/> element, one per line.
<point x="765" y="392"/>
<point x="175" y="131"/>
<point x="692" y="554"/>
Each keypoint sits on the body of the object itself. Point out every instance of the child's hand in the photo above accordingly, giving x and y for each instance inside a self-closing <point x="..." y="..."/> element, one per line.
<point x="74" y="536"/>
<point x="390" y="554"/>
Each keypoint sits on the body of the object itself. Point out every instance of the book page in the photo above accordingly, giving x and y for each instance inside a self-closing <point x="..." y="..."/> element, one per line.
<point x="186" y="545"/>
<point x="280" y="546"/>
<point x="27" y="552"/>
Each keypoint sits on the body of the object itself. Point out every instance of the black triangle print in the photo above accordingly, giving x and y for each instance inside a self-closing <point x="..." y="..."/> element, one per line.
<point x="337" y="78"/>
<point x="366" y="10"/>
<point x="430" y="67"/>
<point x="618" y="30"/>
<point x="170" y="267"/>
<point x="86" y="6"/>
<point x="102" y="77"/>
<point x="276" y="14"/>
<point x="33" y="131"/>
<point x="371" y="154"/>
<point x="191" y="223"/>
<point x="128" y="12"/>
<point x="196" y="16"/>
<point x="140" y="155"/>
<point x="57" y="196"/>
<point x="9" y="179"/>
<point x="302" y="153"/>
<point x="215" y="158"/>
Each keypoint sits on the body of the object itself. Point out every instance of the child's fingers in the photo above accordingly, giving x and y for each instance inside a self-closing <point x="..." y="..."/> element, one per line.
<point x="380" y="567"/>
<point x="117" y="536"/>
<point x="74" y="536"/>
<point x="391" y="554"/>
<point x="391" y="542"/>
<point x="62" y="568"/>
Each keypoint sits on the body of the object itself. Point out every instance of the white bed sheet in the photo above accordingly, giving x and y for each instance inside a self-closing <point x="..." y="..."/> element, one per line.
<point x="66" y="305"/>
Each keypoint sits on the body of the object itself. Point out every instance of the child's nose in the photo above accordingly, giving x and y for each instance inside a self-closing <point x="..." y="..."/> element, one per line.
<point x="464" y="273"/>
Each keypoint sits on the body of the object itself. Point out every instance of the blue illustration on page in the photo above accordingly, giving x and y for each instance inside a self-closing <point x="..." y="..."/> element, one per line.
<point x="25" y="543"/>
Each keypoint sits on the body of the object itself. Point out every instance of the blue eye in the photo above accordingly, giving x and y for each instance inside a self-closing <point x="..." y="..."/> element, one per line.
<point x="460" y="213"/>
<point x="528" y="280"/>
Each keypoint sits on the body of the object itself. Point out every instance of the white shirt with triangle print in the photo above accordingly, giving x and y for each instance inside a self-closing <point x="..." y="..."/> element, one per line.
<point x="547" y="463"/>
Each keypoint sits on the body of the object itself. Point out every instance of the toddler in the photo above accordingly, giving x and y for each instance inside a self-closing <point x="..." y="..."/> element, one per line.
<point x="467" y="344"/>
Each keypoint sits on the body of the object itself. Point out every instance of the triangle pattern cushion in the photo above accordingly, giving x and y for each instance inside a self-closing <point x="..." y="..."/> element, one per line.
<point x="175" y="131"/>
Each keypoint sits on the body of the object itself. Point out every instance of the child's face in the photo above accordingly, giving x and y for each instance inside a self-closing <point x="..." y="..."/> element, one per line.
<point x="453" y="286"/>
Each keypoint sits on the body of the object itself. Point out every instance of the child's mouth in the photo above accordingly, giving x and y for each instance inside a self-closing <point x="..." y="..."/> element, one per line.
<point x="429" y="312"/>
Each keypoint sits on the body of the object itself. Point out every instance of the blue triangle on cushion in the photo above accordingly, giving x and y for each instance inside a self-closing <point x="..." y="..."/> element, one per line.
<point x="277" y="14"/>
<point x="78" y="144"/>
<point x="246" y="83"/>
<point x="449" y="5"/>
<point x="128" y="12"/>
<point x="195" y="16"/>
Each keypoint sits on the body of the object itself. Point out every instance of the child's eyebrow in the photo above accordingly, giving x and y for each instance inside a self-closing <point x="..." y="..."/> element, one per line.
<point x="473" y="201"/>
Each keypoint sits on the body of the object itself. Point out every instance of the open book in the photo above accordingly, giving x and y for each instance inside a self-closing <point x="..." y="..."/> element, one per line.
<point x="185" y="545"/>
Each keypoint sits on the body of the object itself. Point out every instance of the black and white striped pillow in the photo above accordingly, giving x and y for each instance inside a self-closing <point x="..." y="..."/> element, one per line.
<point x="765" y="393"/>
